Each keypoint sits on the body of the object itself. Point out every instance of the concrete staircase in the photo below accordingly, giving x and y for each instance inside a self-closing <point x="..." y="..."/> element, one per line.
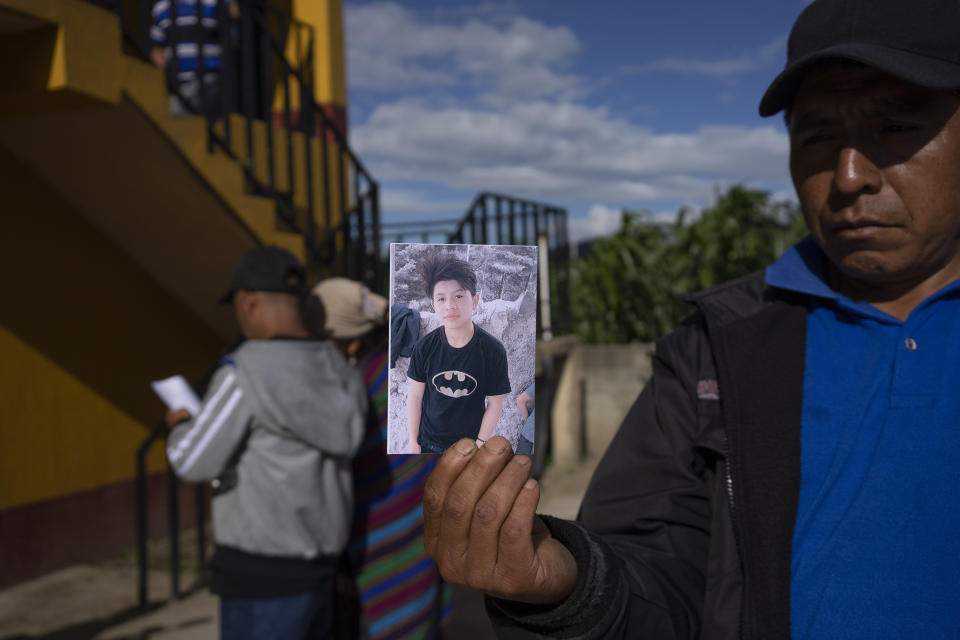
<point x="145" y="85"/>
<point x="94" y="124"/>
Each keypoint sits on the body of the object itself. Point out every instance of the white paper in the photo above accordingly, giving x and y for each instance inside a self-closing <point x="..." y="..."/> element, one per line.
<point x="177" y="394"/>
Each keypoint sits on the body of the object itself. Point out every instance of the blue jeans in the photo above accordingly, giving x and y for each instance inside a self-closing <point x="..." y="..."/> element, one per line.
<point x="306" y="615"/>
<point x="429" y="445"/>
<point x="524" y="446"/>
<point x="205" y="103"/>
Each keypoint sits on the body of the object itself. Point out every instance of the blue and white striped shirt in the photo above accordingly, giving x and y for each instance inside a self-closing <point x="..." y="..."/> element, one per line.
<point x="187" y="45"/>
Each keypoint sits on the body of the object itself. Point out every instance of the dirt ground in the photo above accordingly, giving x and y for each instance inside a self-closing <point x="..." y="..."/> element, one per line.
<point x="98" y="602"/>
<point x="84" y="601"/>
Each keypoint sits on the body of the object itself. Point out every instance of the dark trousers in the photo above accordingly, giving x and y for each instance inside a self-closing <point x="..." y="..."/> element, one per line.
<point x="524" y="446"/>
<point x="430" y="445"/>
<point x="299" y="617"/>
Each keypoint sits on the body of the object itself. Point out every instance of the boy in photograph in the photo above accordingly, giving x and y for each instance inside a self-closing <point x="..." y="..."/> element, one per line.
<point x="458" y="372"/>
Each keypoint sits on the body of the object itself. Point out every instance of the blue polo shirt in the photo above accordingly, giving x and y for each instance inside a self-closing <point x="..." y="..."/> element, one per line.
<point x="876" y="547"/>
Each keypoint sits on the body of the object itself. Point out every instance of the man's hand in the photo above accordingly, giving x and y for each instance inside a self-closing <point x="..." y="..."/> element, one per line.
<point x="480" y="526"/>
<point x="173" y="417"/>
<point x="157" y="57"/>
<point x="413" y="447"/>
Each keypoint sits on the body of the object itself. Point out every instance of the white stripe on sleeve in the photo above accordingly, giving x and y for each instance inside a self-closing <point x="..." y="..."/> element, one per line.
<point x="161" y="6"/>
<point x="184" y="443"/>
<point x="214" y="427"/>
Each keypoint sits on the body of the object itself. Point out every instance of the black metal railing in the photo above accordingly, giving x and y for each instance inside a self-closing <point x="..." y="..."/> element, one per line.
<point x="495" y="218"/>
<point x="261" y="110"/>
<point x="173" y="485"/>
<point x="426" y="231"/>
<point x="173" y="521"/>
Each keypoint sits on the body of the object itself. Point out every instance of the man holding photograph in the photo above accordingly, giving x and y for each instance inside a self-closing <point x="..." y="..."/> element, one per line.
<point x="458" y="372"/>
<point x="787" y="472"/>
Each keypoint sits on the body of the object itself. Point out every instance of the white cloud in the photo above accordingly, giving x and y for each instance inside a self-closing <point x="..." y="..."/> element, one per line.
<point x="784" y="195"/>
<point x="563" y="151"/>
<point x="601" y="221"/>
<point x="496" y="12"/>
<point x="419" y="202"/>
<point x="390" y="47"/>
<point x="721" y="67"/>
<point x="492" y="105"/>
<point x="693" y="66"/>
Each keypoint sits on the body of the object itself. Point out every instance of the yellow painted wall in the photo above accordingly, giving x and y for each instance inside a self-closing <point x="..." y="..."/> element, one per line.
<point x="57" y="435"/>
<point x="77" y="51"/>
<point x="83" y="330"/>
<point x="326" y="18"/>
<point x="329" y="69"/>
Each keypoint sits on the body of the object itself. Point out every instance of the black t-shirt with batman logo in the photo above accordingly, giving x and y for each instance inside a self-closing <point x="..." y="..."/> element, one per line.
<point x="457" y="383"/>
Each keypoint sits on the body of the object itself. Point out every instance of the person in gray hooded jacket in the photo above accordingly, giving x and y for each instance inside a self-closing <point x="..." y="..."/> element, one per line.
<point x="281" y="420"/>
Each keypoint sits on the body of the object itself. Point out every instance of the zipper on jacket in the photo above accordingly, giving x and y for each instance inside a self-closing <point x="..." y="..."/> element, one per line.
<point x="736" y="537"/>
<point x="713" y="337"/>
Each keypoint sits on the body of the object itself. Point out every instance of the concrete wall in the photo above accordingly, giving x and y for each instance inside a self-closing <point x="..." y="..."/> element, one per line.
<point x="597" y="387"/>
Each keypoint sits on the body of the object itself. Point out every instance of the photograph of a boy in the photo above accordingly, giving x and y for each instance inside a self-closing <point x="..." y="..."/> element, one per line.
<point x="469" y="311"/>
<point x="458" y="373"/>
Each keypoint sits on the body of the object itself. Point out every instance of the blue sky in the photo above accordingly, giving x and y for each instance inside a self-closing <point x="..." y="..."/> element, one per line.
<point x="628" y="104"/>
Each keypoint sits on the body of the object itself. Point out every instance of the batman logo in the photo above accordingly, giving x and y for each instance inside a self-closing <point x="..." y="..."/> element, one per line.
<point x="454" y="384"/>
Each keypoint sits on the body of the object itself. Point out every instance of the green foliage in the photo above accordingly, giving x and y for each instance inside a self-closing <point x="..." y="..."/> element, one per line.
<point x="629" y="288"/>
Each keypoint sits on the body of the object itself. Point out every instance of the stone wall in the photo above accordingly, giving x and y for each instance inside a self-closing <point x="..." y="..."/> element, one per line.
<point x="507" y="285"/>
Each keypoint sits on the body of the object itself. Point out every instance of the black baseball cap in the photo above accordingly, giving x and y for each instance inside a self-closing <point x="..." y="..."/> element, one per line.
<point x="916" y="41"/>
<point x="268" y="269"/>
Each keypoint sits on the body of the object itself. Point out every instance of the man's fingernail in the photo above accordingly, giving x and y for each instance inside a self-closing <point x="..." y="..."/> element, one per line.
<point x="465" y="447"/>
<point x="521" y="460"/>
<point x="495" y="447"/>
<point x="530" y="484"/>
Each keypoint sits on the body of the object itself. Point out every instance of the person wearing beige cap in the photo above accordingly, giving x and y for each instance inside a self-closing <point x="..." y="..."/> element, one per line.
<point x="386" y="546"/>
<point x="349" y="313"/>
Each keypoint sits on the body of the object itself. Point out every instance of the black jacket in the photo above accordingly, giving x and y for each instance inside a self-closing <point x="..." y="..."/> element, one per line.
<point x="687" y="526"/>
